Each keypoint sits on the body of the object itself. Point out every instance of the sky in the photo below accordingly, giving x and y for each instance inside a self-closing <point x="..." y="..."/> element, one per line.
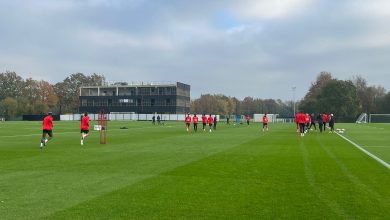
<point x="257" y="48"/>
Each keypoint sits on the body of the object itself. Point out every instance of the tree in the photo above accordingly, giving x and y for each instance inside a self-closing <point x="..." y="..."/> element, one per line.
<point x="340" y="98"/>
<point x="311" y="97"/>
<point x="11" y="85"/>
<point x="368" y="95"/>
<point x="10" y="106"/>
<point x="67" y="91"/>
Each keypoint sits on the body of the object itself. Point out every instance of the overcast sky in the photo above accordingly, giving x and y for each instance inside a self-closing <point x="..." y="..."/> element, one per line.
<point x="259" y="48"/>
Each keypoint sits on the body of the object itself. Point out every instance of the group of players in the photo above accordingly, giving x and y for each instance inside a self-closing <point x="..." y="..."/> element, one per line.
<point x="305" y="122"/>
<point x="212" y="122"/>
<point x="47" y="125"/>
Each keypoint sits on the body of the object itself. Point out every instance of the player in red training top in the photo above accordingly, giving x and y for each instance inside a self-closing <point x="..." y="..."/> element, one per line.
<point x="204" y="121"/>
<point x="248" y="119"/>
<point x="307" y="122"/>
<point x="302" y="121"/>
<point x="195" y="120"/>
<point x="188" y="122"/>
<point x="324" y="119"/>
<point x="296" y="121"/>
<point x="84" y="127"/>
<point x="265" y="122"/>
<point x="210" y="120"/>
<point x="47" y="125"/>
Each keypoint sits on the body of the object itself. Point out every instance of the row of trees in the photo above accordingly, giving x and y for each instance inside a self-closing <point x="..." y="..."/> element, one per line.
<point x="20" y="96"/>
<point x="344" y="98"/>
<point x="221" y="104"/>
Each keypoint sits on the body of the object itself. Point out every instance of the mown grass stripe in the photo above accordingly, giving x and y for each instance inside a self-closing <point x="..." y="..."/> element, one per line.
<point x="366" y="152"/>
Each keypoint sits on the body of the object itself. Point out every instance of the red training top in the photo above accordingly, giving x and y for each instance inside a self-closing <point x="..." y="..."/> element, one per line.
<point x="48" y="123"/>
<point x="188" y="119"/>
<point x="85" y="123"/>
<point x="248" y="118"/>
<point x="301" y="118"/>
<point x="324" y="118"/>
<point x="195" y="119"/>
<point x="204" y="119"/>
<point x="265" y="119"/>
<point x="210" y="120"/>
<point x="307" y="119"/>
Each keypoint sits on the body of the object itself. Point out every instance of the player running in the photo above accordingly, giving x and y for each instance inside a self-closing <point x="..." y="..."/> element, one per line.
<point x="47" y="125"/>
<point x="195" y="120"/>
<point x="204" y="121"/>
<point x="188" y="122"/>
<point x="265" y="122"/>
<point x="84" y="127"/>
<point x="210" y="120"/>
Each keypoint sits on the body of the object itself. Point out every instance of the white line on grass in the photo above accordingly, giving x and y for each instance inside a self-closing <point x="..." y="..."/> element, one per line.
<point x="366" y="152"/>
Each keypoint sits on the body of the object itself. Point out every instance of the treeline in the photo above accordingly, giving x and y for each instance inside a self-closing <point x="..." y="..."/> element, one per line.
<point x="221" y="104"/>
<point x="20" y="96"/>
<point x="345" y="98"/>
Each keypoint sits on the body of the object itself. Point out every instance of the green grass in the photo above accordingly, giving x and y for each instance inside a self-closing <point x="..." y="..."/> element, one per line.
<point x="162" y="172"/>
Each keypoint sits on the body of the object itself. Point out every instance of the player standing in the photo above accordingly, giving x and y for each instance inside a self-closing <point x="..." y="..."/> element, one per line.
<point x="84" y="127"/>
<point x="331" y="123"/>
<point x="307" y="122"/>
<point x="265" y="122"/>
<point x="320" y="122"/>
<point x="158" y="119"/>
<point x="324" y="120"/>
<point x="296" y="121"/>
<point x="47" y="125"/>
<point x="195" y="120"/>
<point x="313" y="122"/>
<point x="215" y="122"/>
<point x="210" y="120"/>
<point x="204" y="121"/>
<point x="248" y="119"/>
<point x="301" y="121"/>
<point x="188" y="122"/>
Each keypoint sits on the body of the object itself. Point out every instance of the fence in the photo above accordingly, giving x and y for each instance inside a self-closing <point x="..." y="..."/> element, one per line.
<point x="129" y="117"/>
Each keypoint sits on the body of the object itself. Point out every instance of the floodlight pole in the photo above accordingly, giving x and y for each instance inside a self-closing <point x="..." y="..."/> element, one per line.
<point x="293" y="89"/>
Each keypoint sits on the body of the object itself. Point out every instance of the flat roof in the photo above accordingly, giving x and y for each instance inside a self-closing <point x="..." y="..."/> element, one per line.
<point x="135" y="84"/>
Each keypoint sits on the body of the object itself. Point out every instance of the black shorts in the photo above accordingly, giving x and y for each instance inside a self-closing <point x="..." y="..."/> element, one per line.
<point x="48" y="132"/>
<point x="84" y="131"/>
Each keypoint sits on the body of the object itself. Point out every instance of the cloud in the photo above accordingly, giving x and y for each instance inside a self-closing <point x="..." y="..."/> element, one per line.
<point x="264" y="9"/>
<point x="239" y="48"/>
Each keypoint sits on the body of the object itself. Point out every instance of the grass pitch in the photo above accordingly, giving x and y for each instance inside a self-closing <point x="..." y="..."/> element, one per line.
<point x="163" y="172"/>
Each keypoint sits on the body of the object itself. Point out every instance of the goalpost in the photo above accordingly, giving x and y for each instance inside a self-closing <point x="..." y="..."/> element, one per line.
<point x="379" y="118"/>
<point x="362" y="118"/>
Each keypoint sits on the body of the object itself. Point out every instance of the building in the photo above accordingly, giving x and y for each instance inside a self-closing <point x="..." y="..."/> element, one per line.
<point x="149" y="98"/>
